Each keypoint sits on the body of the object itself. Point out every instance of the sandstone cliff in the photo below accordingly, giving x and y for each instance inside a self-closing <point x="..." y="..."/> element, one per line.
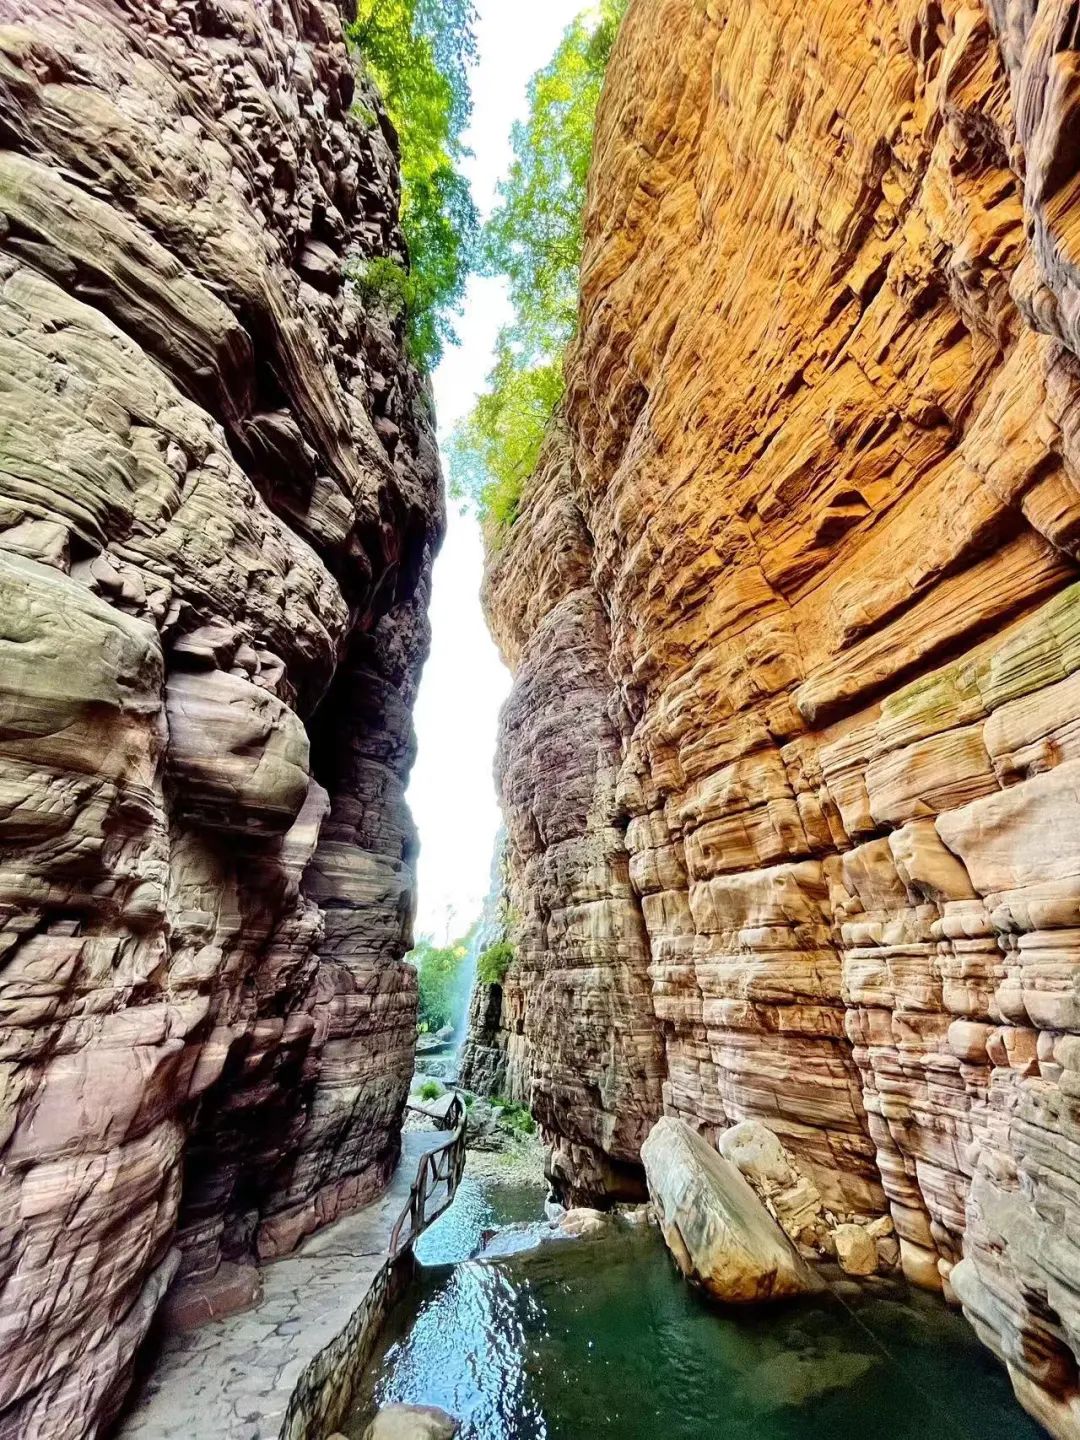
<point x="791" y="769"/>
<point x="219" y="499"/>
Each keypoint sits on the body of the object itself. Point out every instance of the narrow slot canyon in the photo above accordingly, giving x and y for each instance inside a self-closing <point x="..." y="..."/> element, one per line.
<point x="539" y="719"/>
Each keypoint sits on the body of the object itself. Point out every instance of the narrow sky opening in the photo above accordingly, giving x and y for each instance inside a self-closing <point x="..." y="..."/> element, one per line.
<point x="452" y="792"/>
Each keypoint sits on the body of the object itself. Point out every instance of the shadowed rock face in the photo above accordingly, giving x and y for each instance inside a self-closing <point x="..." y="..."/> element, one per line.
<point x="578" y="1037"/>
<point x="219" y="500"/>
<point x="792" y="768"/>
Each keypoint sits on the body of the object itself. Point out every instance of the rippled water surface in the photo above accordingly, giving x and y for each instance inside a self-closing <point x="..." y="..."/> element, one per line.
<point x="602" y="1337"/>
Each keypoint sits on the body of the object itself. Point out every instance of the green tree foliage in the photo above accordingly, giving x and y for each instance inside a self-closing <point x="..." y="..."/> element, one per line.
<point x="418" y="52"/>
<point x="442" y="975"/>
<point x="534" y="238"/>
<point x="493" y="964"/>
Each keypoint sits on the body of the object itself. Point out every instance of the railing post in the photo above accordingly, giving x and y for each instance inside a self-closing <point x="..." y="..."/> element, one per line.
<point x="451" y="1154"/>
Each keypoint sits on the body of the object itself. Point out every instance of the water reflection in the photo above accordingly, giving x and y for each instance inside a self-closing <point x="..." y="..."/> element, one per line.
<point x="479" y="1206"/>
<point x="467" y="1352"/>
<point x="603" y="1338"/>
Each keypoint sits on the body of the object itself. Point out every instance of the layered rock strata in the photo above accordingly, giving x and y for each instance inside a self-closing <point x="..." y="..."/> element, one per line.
<point x="576" y="1025"/>
<point x="482" y="1065"/>
<point x="719" y="1233"/>
<point x="219" y="498"/>
<point x="809" y="567"/>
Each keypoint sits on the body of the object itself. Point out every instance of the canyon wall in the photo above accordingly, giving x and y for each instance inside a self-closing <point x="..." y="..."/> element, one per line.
<point x="219" y="500"/>
<point x="791" y="769"/>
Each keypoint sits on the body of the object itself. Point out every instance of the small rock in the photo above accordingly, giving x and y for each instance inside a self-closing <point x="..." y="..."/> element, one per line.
<point x="855" y="1250"/>
<point x="412" y="1422"/>
<point x="881" y="1227"/>
<point x="583" y="1221"/>
<point x="637" y="1214"/>
<point x="888" y="1249"/>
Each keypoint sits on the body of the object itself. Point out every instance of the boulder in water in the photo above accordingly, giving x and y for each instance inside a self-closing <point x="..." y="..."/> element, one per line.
<point x="793" y="1379"/>
<point x="722" y="1237"/>
<point x="412" y="1422"/>
<point x="583" y="1221"/>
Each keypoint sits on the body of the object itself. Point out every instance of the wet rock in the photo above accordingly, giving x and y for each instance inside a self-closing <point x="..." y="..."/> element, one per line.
<point x="794" y="1378"/>
<point x="412" y="1422"/>
<point x="720" y="1234"/>
<point x="583" y="1221"/>
<point x="519" y="1239"/>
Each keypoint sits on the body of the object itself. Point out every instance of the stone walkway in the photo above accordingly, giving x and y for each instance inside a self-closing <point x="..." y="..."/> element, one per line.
<point x="234" y="1378"/>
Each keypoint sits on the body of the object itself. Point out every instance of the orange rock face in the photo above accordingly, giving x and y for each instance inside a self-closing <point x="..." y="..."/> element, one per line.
<point x="796" y="731"/>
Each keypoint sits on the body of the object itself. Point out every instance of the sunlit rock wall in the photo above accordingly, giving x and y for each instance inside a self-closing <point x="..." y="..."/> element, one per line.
<point x="219" y="498"/>
<point x="824" y="486"/>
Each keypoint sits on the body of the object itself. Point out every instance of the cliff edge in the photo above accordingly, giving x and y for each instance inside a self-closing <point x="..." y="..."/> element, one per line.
<point x="219" y="501"/>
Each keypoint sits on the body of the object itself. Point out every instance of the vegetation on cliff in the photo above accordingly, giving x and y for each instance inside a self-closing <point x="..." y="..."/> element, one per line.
<point x="534" y="238"/>
<point x="443" y="977"/>
<point x="418" y="52"/>
<point x="493" y="964"/>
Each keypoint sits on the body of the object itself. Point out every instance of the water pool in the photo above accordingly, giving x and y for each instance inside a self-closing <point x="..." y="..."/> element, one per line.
<point x="602" y="1337"/>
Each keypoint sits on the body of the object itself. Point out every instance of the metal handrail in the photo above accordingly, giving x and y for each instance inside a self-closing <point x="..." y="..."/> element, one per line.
<point x="442" y="1166"/>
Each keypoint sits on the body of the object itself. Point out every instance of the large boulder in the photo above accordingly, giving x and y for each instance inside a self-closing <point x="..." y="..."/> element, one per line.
<point x="722" y="1237"/>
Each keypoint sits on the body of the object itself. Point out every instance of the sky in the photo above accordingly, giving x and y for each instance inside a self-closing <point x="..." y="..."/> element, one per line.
<point x="452" y="791"/>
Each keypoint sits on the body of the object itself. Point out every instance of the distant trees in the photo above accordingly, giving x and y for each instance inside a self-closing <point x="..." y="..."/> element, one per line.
<point x="418" y="52"/>
<point x="443" y="975"/>
<point x="534" y="238"/>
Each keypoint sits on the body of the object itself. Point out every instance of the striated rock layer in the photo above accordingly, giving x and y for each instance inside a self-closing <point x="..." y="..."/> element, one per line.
<point x="575" y="1019"/>
<point x="219" y="498"/>
<point x="792" y="765"/>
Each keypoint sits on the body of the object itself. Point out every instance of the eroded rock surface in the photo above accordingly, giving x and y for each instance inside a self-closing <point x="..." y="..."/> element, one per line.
<point x="219" y="498"/>
<point x="809" y="573"/>
<point x="718" y="1231"/>
<point x="412" y="1422"/>
<point x="576" y="1035"/>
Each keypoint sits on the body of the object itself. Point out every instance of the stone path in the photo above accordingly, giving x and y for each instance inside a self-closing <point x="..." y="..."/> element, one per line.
<point x="233" y="1379"/>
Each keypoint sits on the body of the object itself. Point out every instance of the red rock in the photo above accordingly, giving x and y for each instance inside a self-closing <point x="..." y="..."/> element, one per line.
<point x="213" y="584"/>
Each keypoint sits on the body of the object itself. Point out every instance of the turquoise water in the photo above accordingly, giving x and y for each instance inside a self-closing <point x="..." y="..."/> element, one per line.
<point x="479" y="1205"/>
<point x="602" y="1337"/>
